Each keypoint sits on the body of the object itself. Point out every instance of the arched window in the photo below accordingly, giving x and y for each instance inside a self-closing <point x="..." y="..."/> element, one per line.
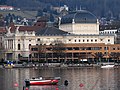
<point x="30" y="55"/>
<point x="19" y="55"/>
<point x="18" y="46"/>
<point x="29" y="46"/>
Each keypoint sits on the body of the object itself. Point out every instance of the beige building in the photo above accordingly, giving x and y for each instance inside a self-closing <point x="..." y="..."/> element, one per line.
<point x="79" y="27"/>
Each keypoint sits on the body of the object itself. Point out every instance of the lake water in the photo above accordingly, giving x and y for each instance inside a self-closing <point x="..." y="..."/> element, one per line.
<point x="82" y="78"/>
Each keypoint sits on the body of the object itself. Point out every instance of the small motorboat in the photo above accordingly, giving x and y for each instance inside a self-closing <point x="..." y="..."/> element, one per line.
<point x="42" y="81"/>
<point x="107" y="66"/>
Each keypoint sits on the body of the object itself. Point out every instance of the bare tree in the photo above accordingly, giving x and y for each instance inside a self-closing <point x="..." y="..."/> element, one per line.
<point x="2" y="53"/>
<point x="41" y="52"/>
<point x="98" y="56"/>
<point x="58" y="49"/>
<point x="115" y="56"/>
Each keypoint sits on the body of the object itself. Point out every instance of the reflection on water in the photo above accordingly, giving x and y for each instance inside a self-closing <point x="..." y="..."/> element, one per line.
<point x="78" y="78"/>
<point x="45" y="87"/>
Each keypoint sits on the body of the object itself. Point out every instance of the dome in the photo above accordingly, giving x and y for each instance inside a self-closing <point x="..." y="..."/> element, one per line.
<point x="80" y="16"/>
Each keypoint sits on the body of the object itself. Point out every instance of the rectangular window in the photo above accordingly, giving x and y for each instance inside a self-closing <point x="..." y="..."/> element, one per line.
<point x="106" y="48"/>
<point x="106" y="53"/>
<point x="34" y="49"/>
<point x="76" y="48"/>
<point x="118" y="48"/>
<point x="101" y="39"/>
<point x="95" y="40"/>
<point x="113" y="48"/>
<point x="38" y="39"/>
<point x="69" y="39"/>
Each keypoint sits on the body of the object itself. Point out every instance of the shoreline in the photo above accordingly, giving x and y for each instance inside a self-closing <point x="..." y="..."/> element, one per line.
<point x="52" y="66"/>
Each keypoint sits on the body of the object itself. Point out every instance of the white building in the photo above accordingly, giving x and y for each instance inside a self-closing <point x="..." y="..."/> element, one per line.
<point x="17" y="43"/>
<point x="3" y="7"/>
<point x="76" y="27"/>
<point x="65" y="7"/>
<point x="83" y="27"/>
<point x="109" y="31"/>
<point x="59" y="9"/>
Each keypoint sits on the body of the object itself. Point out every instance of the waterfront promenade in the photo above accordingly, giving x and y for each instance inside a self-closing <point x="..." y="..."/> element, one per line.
<point x="40" y="65"/>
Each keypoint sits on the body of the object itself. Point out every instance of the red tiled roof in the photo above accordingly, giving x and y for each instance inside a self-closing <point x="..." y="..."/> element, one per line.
<point x="29" y="28"/>
<point x="3" y="30"/>
<point x="5" y="6"/>
<point x="42" y="24"/>
<point x="25" y="28"/>
<point x="37" y="26"/>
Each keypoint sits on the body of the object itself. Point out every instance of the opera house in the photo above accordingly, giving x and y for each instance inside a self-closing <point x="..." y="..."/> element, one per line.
<point x="77" y="38"/>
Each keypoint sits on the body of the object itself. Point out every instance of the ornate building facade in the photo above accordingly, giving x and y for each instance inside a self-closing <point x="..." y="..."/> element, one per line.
<point x="76" y="30"/>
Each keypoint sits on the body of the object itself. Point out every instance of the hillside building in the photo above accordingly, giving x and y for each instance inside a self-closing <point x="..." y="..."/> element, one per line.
<point x="4" y="7"/>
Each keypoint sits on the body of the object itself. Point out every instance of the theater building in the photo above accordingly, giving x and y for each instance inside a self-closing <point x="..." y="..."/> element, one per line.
<point x="77" y="38"/>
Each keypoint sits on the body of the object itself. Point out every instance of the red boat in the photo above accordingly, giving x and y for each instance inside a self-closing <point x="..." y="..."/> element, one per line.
<point x="42" y="81"/>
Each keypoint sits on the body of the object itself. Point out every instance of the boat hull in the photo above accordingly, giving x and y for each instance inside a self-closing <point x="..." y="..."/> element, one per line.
<point x="43" y="82"/>
<point x="107" y="66"/>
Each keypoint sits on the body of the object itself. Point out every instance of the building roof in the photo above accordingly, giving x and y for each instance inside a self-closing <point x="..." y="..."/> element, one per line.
<point x="3" y="30"/>
<point x="80" y="16"/>
<point x="50" y="31"/>
<point x="43" y="19"/>
<point x="25" y="28"/>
